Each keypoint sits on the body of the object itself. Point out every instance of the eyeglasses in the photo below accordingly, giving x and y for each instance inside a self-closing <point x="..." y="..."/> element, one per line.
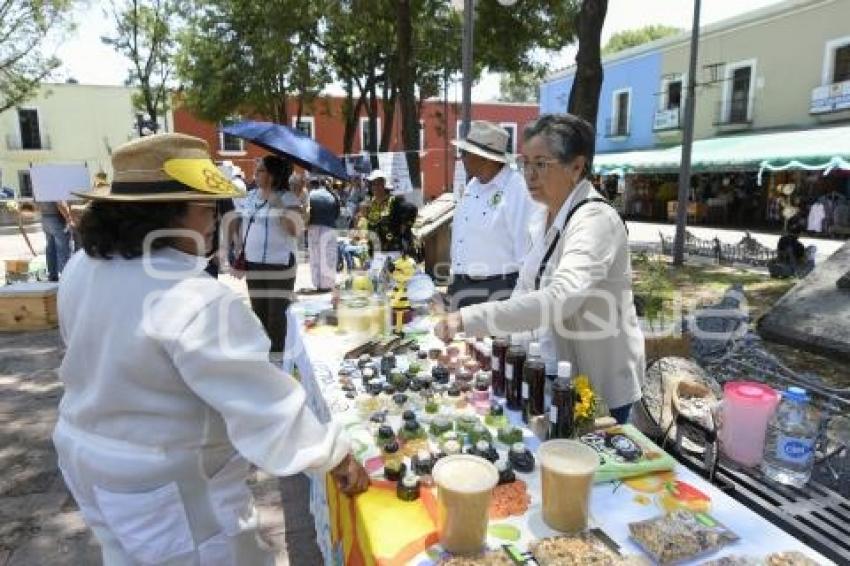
<point x="538" y="166"/>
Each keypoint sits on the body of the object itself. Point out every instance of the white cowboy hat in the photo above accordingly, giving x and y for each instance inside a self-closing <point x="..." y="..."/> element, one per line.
<point x="486" y="139"/>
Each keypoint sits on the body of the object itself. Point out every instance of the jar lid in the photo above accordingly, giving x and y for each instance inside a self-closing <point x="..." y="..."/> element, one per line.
<point x="750" y="392"/>
<point x="410" y="481"/>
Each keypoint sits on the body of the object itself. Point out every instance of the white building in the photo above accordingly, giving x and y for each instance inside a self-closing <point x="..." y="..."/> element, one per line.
<point x="65" y="124"/>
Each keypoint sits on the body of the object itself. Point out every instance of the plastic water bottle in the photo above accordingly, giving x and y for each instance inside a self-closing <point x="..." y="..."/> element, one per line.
<point x="792" y="433"/>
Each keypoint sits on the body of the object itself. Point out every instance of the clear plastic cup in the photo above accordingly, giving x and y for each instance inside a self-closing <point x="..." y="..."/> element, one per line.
<point x="464" y="485"/>
<point x="567" y="469"/>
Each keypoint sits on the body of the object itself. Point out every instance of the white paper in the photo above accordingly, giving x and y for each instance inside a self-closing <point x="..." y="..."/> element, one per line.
<point x="52" y="183"/>
<point x="394" y="166"/>
<point x="459" y="183"/>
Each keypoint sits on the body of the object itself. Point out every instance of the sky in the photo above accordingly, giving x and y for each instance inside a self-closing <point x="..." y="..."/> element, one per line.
<point x="89" y="61"/>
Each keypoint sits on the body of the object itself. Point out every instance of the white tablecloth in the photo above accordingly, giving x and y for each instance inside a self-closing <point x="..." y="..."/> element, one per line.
<point x="611" y="504"/>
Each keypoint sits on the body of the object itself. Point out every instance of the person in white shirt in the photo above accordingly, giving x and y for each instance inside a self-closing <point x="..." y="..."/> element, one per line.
<point x="490" y="227"/>
<point x="169" y="397"/>
<point x="575" y="287"/>
<point x="272" y="220"/>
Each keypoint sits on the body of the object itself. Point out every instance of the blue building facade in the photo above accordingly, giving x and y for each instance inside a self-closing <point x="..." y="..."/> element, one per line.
<point x="627" y="102"/>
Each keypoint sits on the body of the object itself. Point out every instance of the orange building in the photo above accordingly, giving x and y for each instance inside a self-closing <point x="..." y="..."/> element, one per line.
<point x="324" y="122"/>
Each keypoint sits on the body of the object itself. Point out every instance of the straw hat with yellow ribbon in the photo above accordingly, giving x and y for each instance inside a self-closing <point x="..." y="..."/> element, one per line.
<point x="164" y="167"/>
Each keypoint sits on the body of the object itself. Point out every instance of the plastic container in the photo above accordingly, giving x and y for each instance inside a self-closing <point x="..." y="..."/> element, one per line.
<point x="747" y="406"/>
<point x="792" y="435"/>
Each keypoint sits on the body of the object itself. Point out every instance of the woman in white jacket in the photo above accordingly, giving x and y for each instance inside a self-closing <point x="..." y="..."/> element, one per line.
<point x="169" y="394"/>
<point x="574" y="289"/>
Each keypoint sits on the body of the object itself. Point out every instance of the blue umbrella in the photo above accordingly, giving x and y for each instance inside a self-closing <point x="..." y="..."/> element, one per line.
<point x="290" y="143"/>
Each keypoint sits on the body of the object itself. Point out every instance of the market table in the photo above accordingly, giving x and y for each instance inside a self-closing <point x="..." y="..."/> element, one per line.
<point x="378" y="528"/>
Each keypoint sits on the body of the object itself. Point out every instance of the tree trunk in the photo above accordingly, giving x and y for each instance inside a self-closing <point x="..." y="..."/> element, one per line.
<point x="350" y="113"/>
<point x="584" y="95"/>
<point x="406" y="90"/>
<point x="372" y="113"/>
<point x="299" y="111"/>
<point x="390" y="98"/>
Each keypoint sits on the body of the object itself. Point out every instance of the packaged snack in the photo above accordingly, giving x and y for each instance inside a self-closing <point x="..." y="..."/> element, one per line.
<point x="491" y="558"/>
<point x="681" y="535"/>
<point x="574" y="550"/>
<point x="789" y="558"/>
<point x="734" y="561"/>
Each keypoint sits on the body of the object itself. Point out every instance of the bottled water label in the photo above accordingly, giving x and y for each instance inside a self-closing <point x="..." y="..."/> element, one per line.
<point x="794" y="450"/>
<point x="553" y="414"/>
<point x="494" y="361"/>
<point x="524" y="390"/>
<point x="509" y="372"/>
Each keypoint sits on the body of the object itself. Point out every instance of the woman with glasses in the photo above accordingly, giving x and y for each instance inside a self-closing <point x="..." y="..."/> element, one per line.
<point x="574" y="293"/>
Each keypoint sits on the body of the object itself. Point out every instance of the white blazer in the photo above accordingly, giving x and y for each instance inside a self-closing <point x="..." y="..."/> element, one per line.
<point x="585" y="300"/>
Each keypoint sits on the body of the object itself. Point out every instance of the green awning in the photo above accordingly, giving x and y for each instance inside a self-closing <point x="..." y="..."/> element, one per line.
<point x="820" y="148"/>
<point x="653" y="160"/>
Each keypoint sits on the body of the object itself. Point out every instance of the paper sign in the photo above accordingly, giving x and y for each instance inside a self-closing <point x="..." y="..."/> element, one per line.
<point x="52" y="183"/>
<point x="459" y="183"/>
<point x="394" y="164"/>
<point x="358" y="165"/>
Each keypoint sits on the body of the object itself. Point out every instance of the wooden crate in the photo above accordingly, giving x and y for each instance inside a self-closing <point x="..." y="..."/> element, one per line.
<point x="28" y="306"/>
<point x="17" y="266"/>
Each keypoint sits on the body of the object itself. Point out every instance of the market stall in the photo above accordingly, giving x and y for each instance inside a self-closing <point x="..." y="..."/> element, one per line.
<point x="747" y="180"/>
<point x="389" y="525"/>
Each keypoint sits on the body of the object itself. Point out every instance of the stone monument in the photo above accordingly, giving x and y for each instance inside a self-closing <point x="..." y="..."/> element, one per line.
<point x="815" y="314"/>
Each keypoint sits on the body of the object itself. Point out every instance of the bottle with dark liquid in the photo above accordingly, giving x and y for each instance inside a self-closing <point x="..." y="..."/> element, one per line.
<point x="485" y="352"/>
<point x="514" y="364"/>
<point x="497" y="365"/>
<point x="533" y="384"/>
<point x="562" y="411"/>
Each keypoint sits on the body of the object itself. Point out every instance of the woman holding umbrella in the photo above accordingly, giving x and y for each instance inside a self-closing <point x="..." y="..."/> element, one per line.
<point x="169" y="396"/>
<point x="273" y="220"/>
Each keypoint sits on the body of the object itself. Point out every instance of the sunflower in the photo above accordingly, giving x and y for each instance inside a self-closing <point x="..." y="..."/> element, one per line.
<point x="585" y="407"/>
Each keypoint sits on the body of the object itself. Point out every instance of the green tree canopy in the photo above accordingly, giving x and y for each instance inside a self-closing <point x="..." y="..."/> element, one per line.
<point x="634" y="37"/>
<point x="522" y="86"/>
<point x="145" y="33"/>
<point x="247" y="56"/>
<point x="24" y="26"/>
